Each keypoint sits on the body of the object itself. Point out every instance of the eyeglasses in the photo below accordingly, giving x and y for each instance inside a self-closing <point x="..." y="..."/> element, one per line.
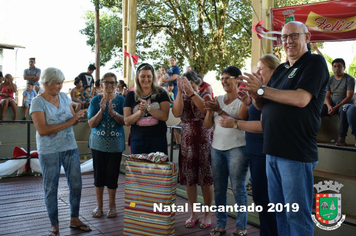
<point x="227" y="77"/>
<point x="292" y="36"/>
<point x="109" y="83"/>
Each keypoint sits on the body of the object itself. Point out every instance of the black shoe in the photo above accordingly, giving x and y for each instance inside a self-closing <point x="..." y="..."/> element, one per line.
<point x="24" y="118"/>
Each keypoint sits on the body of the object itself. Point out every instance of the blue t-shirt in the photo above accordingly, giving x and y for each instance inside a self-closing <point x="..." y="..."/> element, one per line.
<point x="29" y="95"/>
<point x="63" y="140"/>
<point x="109" y="135"/>
<point x="173" y="70"/>
<point x="254" y="141"/>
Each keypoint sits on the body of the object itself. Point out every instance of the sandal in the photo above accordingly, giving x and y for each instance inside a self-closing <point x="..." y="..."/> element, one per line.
<point x="204" y="225"/>
<point x="53" y="233"/>
<point x="97" y="212"/>
<point x="81" y="227"/>
<point x="190" y="223"/>
<point x="111" y="213"/>
<point x="238" y="234"/>
<point x="216" y="232"/>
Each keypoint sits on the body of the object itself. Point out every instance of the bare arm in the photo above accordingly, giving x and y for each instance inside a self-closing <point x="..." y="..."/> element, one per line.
<point x="95" y="120"/>
<point x="39" y="120"/>
<point x="299" y="97"/>
<point x="161" y="114"/>
<point x="316" y="49"/>
<point x="328" y="99"/>
<point x="198" y="101"/>
<point x="130" y="118"/>
<point x="2" y="94"/>
<point x="177" y="108"/>
<point x="209" y="90"/>
<point x="30" y="77"/>
<point x="347" y="99"/>
<point x="175" y="76"/>
<point x="254" y="126"/>
<point x="209" y="119"/>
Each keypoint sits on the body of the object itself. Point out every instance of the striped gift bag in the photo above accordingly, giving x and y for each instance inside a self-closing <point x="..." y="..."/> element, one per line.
<point x="147" y="184"/>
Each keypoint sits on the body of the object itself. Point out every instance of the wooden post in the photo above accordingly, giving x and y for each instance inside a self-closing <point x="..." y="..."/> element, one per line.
<point x="260" y="46"/>
<point x="97" y="42"/>
<point x="129" y="37"/>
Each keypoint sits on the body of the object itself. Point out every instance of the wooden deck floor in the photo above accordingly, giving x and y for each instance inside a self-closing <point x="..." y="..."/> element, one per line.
<point x="23" y="212"/>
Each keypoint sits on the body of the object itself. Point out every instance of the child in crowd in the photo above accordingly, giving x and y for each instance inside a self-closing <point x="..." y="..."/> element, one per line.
<point x="28" y="95"/>
<point x="163" y="76"/>
<point x="170" y="88"/>
<point x="7" y="90"/>
<point x="87" y="93"/>
<point x="97" y="88"/>
<point x="77" y="94"/>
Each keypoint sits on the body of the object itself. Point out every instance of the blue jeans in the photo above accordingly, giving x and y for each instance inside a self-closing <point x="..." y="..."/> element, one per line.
<point x="351" y="119"/>
<point x="291" y="182"/>
<point x="51" y="168"/>
<point x="147" y="144"/>
<point x="268" y="224"/>
<point x="233" y="163"/>
<point x="342" y="112"/>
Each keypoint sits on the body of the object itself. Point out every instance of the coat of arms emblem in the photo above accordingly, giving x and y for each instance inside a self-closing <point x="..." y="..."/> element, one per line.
<point x="328" y="206"/>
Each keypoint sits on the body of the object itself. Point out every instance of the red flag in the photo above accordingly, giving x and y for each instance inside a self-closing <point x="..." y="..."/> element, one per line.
<point x="259" y="29"/>
<point x="134" y="57"/>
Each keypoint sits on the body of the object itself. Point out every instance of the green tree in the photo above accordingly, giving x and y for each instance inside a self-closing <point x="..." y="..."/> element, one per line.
<point x="352" y="68"/>
<point x="110" y="36"/>
<point x="110" y="30"/>
<point x="209" y="34"/>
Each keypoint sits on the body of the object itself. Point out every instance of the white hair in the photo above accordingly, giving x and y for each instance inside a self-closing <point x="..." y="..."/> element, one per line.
<point x="50" y="75"/>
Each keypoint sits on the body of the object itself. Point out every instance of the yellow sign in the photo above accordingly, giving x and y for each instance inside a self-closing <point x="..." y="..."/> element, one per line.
<point x="330" y="25"/>
<point x="132" y="204"/>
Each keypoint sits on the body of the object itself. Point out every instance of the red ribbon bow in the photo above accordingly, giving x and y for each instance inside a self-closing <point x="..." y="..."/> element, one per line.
<point x="134" y="57"/>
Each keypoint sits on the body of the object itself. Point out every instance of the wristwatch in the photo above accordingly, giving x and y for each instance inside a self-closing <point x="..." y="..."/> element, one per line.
<point x="195" y="93"/>
<point x="261" y="91"/>
<point x="235" y="125"/>
<point x="148" y="108"/>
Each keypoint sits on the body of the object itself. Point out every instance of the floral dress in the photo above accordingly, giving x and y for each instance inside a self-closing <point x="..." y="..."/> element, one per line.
<point x="194" y="154"/>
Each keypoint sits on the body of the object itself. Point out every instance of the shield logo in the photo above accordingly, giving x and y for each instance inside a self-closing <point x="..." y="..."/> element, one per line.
<point x="289" y="18"/>
<point x="328" y="208"/>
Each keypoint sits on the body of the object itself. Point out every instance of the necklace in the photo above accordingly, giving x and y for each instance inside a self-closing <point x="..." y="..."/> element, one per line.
<point x="146" y="96"/>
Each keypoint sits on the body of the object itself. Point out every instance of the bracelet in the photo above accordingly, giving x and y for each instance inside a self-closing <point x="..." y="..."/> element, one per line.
<point x="219" y="114"/>
<point x="236" y="125"/>
<point x="195" y="93"/>
<point x="115" y="115"/>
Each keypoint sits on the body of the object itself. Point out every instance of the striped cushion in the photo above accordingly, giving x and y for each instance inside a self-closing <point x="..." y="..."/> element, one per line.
<point x="145" y="184"/>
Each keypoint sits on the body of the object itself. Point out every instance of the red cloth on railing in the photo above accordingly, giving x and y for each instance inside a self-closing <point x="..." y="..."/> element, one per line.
<point x="20" y="152"/>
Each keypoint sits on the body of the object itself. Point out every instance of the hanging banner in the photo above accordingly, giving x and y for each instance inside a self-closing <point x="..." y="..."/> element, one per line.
<point x="327" y="21"/>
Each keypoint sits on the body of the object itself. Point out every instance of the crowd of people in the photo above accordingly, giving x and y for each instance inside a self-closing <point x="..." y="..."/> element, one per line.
<point x="267" y="120"/>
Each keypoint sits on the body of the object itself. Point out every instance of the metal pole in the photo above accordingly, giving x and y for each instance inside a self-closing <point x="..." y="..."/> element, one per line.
<point x="171" y="148"/>
<point x="28" y="145"/>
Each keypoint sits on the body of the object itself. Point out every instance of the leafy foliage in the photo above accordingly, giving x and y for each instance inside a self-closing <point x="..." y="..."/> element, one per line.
<point x="209" y="34"/>
<point x="110" y="36"/>
<point x="352" y="68"/>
